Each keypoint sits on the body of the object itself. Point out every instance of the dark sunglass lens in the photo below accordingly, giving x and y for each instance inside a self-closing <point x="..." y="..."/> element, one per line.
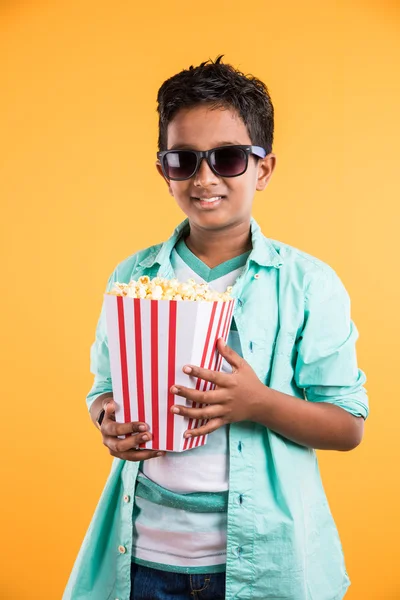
<point x="229" y="161"/>
<point x="180" y="164"/>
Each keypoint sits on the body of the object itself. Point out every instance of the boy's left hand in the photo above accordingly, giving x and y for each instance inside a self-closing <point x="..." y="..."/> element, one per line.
<point x="234" y="398"/>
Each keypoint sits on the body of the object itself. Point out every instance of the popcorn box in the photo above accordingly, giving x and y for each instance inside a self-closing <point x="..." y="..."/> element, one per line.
<point x="149" y="343"/>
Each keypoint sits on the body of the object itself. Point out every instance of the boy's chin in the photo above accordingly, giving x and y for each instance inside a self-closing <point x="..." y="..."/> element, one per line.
<point x="214" y="221"/>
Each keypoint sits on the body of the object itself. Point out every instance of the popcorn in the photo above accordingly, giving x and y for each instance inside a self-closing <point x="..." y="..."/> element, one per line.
<point x="160" y="288"/>
<point x="150" y="342"/>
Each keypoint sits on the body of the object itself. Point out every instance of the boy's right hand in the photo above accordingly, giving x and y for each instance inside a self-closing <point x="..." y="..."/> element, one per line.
<point x="126" y="449"/>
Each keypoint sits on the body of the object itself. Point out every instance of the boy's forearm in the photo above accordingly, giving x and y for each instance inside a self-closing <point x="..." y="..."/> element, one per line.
<point x="98" y="404"/>
<point x="316" y="425"/>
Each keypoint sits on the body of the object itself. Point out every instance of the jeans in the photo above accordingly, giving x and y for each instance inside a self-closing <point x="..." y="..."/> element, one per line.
<point x="152" y="584"/>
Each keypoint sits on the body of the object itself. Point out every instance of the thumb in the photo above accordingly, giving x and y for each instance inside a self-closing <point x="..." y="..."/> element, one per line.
<point x="109" y="407"/>
<point x="229" y="354"/>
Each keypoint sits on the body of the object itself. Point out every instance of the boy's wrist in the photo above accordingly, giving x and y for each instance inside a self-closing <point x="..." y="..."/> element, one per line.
<point x="259" y="404"/>
<point x="100" y="417"/>
<point x="98" y="406"/>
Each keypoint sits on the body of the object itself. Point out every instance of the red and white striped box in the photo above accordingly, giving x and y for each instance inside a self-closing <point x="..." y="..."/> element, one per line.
<point x="149" y="343"/>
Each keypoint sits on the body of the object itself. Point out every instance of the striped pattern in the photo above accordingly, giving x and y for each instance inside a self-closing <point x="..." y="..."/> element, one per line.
<point x="149" y="343"/>
<point x="214" y="363"/>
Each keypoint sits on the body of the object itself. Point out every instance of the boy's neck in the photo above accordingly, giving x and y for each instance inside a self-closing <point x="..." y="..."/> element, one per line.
<point x="216" y="247"/>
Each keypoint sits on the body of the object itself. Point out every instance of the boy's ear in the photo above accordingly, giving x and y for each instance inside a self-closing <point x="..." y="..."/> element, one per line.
<point x="265" y="167"/>
<point x="159" y="169"/>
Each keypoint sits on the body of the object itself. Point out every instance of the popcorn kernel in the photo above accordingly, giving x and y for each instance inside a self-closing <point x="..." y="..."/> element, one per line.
<point x="160" y="288"/>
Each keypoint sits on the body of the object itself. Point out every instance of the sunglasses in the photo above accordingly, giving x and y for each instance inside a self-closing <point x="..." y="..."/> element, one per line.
<point x="225" y="161"/>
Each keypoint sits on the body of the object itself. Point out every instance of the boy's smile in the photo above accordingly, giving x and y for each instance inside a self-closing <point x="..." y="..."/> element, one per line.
<point x="210" y="201"/>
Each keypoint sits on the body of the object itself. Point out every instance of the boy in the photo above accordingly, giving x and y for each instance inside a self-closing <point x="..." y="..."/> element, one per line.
<point x="245" y="516"/>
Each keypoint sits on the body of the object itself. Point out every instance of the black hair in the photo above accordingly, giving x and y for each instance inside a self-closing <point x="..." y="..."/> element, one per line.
<point x="219" y="85"/>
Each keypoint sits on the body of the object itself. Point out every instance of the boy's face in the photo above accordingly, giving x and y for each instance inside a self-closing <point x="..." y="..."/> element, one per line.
<point x="202" y="128"/>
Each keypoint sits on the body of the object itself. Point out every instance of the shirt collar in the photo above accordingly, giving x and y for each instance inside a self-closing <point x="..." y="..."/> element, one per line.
<point x="263" y="252"/>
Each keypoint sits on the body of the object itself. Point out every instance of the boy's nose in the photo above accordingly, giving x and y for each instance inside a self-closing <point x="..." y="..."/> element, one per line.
<point x="204" y="175"/>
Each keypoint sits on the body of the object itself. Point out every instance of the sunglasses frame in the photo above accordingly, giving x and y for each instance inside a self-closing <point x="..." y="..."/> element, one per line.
<point x="200" y="154"/>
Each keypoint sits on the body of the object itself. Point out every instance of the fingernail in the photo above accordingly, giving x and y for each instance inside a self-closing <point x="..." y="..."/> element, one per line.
<point x="160" y="453"/>
<point x="145" y="437"/>
<point x="187" y="435"/>
<point x="174" y="390"/>
<point x="175" y="410"/>
<point x="187" y="369"/>
<point x="142" y="427"/>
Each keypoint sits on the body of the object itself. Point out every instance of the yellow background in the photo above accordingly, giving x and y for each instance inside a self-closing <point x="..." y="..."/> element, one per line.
<point x="79" y="193"/>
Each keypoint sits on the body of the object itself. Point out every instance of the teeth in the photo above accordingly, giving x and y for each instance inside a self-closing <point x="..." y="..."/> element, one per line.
<point x="210" y="199"/>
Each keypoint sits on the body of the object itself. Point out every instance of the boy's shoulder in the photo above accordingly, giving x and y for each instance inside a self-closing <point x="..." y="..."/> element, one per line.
<point x="308" y="271"/>
<point x="295" y="256"/>
<point x="125" y="269"/>
<point x="145" y="258"/>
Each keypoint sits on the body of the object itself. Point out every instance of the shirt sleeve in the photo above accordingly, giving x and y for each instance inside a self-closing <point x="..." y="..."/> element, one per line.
<point x="326" y="366"/>
<point x="99" y="356"/>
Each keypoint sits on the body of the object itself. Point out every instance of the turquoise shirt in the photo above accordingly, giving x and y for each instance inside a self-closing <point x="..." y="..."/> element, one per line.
<point x="293" y="317"/>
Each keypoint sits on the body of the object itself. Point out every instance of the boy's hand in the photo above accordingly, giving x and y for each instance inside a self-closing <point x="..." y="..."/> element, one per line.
<point x="233" y="399"/>
<point x="125" y="449"/>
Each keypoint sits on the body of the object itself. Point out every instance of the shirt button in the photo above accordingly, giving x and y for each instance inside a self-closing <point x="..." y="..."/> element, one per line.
<point x="257" y="276"/>
<point x="122" y="549"/>
<point x="127" y="498"/>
